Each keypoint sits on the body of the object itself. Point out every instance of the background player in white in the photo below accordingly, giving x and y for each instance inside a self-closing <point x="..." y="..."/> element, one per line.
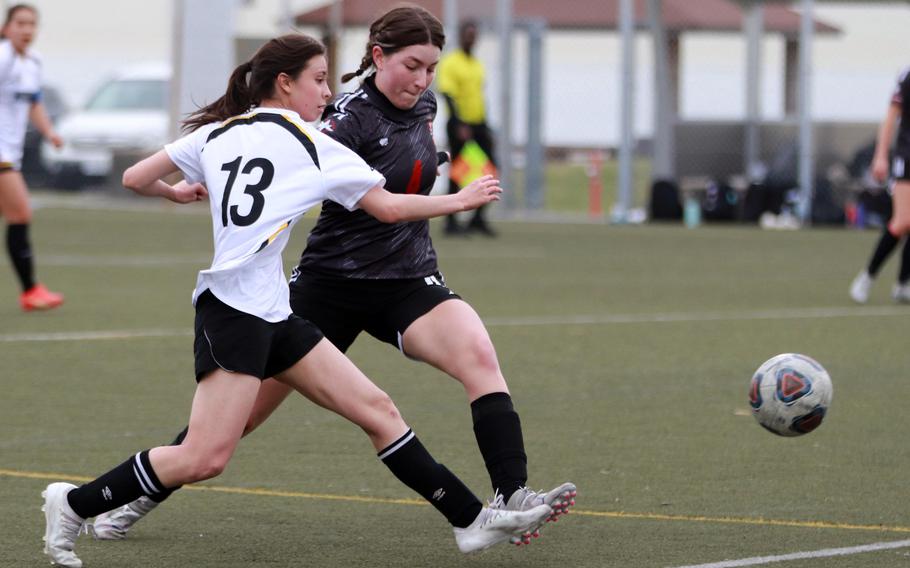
<point x="263" y="170"/>
<point x="20" y="100"/>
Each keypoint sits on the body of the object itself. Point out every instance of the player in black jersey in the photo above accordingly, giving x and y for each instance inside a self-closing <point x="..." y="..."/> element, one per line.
<point x="358" y="274"/>
<point x="899" y="224"/>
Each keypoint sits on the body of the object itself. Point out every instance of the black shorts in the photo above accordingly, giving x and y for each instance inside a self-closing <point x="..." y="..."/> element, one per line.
<point x="343" y="307"/>
<point x="238" y="342"/>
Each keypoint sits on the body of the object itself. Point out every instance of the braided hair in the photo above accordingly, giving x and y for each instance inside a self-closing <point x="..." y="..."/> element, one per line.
<point x="397" y="29"/>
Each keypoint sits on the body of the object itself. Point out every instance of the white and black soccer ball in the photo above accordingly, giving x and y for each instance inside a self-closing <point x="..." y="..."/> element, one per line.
<point x="790" y="394"/>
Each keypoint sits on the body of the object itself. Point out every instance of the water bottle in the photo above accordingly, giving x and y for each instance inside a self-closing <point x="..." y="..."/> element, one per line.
<point x="691" y="212"/>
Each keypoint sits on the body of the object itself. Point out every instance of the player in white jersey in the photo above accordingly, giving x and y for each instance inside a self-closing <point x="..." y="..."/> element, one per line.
<point x="262" y="169"/>
<point x="20" y="100"/>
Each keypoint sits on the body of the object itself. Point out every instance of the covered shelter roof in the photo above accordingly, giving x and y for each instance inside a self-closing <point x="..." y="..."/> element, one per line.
<point x="678" y="15"/>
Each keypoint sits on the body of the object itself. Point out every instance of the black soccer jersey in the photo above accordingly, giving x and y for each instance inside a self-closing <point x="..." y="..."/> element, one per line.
<point x="399" y="144"/>
<point x="902" y="97"/>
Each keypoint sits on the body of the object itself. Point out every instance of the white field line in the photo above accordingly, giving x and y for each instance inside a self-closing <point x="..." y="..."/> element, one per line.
<point x="203" y="261"/>
<point x="690" y="317"/>
<point x="606" y="319"/>
<point x="94" y="335"/>
<point x="108" y="202"/>
<point x="824" y="553"/>
<point x="124" y="260"/>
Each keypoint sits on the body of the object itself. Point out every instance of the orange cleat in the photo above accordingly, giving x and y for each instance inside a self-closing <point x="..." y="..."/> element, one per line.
<point x="39" y="298"/>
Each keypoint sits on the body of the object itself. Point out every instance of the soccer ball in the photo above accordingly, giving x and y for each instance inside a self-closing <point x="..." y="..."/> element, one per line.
<point x="790" y="394"/>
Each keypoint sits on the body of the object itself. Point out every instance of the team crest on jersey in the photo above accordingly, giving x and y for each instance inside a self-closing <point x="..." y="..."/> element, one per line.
<point x="384" y="141"/>
<point x="327" y="125"/>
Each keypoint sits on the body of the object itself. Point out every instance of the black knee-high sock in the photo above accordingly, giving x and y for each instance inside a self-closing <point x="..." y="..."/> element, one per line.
<point x="159" y="497"/>
<point x="413" y="465"/>
<point x="20" y="252"/>
<point x="886" y="245"/>
<point x="904" y="276"/>
<point x="121" y="485"/>
<point x="498" y="432"/>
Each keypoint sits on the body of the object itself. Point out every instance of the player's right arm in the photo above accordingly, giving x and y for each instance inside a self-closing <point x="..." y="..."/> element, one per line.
<point x="145" y="178"/>
<point x="883" y="143"/>
<point x="350" y="182"/>
<point x="391" y="207"/>
<point x="7" y="58"/>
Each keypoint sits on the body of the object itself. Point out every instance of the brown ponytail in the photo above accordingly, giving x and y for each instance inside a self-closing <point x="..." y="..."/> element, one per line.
<point x="397" y="29"/>
<point x="288" y="54"/>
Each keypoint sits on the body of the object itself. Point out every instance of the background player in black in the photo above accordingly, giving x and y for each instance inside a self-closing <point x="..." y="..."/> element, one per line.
<point x="899" y="225"/>
<point x="358" y="274"/>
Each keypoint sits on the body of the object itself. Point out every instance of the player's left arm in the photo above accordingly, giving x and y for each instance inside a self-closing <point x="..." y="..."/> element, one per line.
<point x="37" y="113"/>
<point x="145" y="178"/>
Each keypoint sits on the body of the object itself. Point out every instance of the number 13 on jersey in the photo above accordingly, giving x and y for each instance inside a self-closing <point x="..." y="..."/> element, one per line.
<point x="266" y="171"/>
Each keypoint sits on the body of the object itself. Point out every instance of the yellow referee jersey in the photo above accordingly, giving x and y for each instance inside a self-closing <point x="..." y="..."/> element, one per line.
<point x="461" y="76"/>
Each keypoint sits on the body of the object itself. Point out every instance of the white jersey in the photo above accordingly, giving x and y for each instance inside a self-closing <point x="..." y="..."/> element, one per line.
<point x="20" y="87"/>
<point x="263" y="171"/>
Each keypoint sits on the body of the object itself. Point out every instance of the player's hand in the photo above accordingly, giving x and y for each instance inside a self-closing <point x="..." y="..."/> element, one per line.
<point x="55" y="140"/>
<point x="480" y="192"/>
<point x="464" y="132"/>
<point x="188" y="193"/>
<point x="880" y="169"/>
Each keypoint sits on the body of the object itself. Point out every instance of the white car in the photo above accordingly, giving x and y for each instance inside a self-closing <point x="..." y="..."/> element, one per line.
<point x="129" y="112"/>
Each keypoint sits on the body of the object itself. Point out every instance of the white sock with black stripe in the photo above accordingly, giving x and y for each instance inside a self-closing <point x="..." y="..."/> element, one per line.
<point x="121" y="485"/>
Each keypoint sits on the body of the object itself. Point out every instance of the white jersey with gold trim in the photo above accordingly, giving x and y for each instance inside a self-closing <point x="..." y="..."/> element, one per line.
<point x="263" y="171"/>
<point x="20" y="87"/>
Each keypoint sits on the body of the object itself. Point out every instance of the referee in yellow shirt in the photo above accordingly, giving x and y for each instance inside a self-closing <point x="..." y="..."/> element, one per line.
<point x="460" y="80"/>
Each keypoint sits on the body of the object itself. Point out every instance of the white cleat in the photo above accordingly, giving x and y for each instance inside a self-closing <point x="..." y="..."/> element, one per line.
<point x="62" y="526"/>
<point x="497" y="524"/>
<point x="859" y="288"/>
<point x="559" y="499"/>
<point x="901" y="293"/>
<point x="113" y="525"/>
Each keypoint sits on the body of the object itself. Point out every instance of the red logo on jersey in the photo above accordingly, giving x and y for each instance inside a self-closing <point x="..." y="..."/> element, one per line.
<point x="414" y="182"/>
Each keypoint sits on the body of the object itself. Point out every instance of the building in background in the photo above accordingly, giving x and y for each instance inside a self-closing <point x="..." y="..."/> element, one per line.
<point x="84" y="42"/>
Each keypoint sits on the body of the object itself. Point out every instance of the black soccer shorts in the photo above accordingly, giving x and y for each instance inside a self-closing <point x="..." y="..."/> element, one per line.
<point x="343" y="307"/>
<point x="235" y="341"/>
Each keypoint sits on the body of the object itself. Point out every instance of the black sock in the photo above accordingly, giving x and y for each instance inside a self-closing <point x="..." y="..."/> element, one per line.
<point x="121" y="485"/>
<point x="498" y="432"/>
<point x="904" y="274"/>
<point x="20" y="252"/>
<point x="413" y="465"/>
<point x="159" y="497"/>
<point x="886" y="245"/>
